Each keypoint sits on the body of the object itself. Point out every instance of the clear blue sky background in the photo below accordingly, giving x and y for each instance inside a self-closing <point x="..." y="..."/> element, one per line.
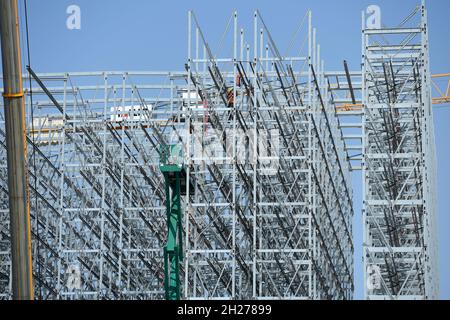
<point x="152" y="35"/>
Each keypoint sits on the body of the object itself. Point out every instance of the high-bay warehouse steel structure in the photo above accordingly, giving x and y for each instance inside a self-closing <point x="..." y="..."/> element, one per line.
<point x="399" y="172"/>
<point x="267" y="142"/>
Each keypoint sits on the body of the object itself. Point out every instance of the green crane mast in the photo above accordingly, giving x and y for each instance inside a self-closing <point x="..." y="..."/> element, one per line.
<point x="171" y="165"/>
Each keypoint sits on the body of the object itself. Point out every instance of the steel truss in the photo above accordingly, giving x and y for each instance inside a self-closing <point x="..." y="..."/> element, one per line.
<point x="399" y="171"/>
<point x="97" y="195"/>
<point x="267" y="234"/>
<point x="268" y="141"/>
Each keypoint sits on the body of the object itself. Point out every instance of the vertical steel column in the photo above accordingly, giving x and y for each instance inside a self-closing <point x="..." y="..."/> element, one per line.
<point x="62" y="193"/>
<point x="311" y="293"/>
<point x="122" y="189"/>
<point x="20" y="228"/>
<point x="188" y="162"/>
<point x="363" y="146"/>
<point x="431" y="273"/>
<point x="255" y="159"/>
<point x="233" y="207"/>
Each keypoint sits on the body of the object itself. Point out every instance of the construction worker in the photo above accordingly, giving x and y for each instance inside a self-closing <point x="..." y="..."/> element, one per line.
<point x="230" y="92"/>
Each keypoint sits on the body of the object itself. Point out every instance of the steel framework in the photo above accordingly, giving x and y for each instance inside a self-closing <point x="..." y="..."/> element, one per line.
<point x="399" y="170"/>
<point x="269" y="142"/>
<point x="279" y="224"/>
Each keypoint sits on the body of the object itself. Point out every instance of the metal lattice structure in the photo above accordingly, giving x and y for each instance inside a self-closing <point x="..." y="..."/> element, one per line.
<point x="399" y="170"/>
<point x="275" y="230"/>
<point x="268" y="144"/>
<point x="97" y="195"/>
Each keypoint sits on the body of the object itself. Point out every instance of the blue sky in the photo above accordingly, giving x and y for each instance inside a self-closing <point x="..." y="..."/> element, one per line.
<point x="152" y="35"/>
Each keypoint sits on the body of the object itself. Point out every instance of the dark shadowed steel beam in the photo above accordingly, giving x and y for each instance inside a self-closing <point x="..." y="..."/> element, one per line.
<point x="349" y="80"/>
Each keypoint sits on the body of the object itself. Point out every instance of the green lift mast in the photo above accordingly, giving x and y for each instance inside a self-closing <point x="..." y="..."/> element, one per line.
<point x="171" y="165"/>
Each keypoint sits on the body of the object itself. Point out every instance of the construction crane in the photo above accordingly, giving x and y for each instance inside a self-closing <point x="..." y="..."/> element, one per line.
<point x="441" y="96"/>
<point x="171" y="165"/>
